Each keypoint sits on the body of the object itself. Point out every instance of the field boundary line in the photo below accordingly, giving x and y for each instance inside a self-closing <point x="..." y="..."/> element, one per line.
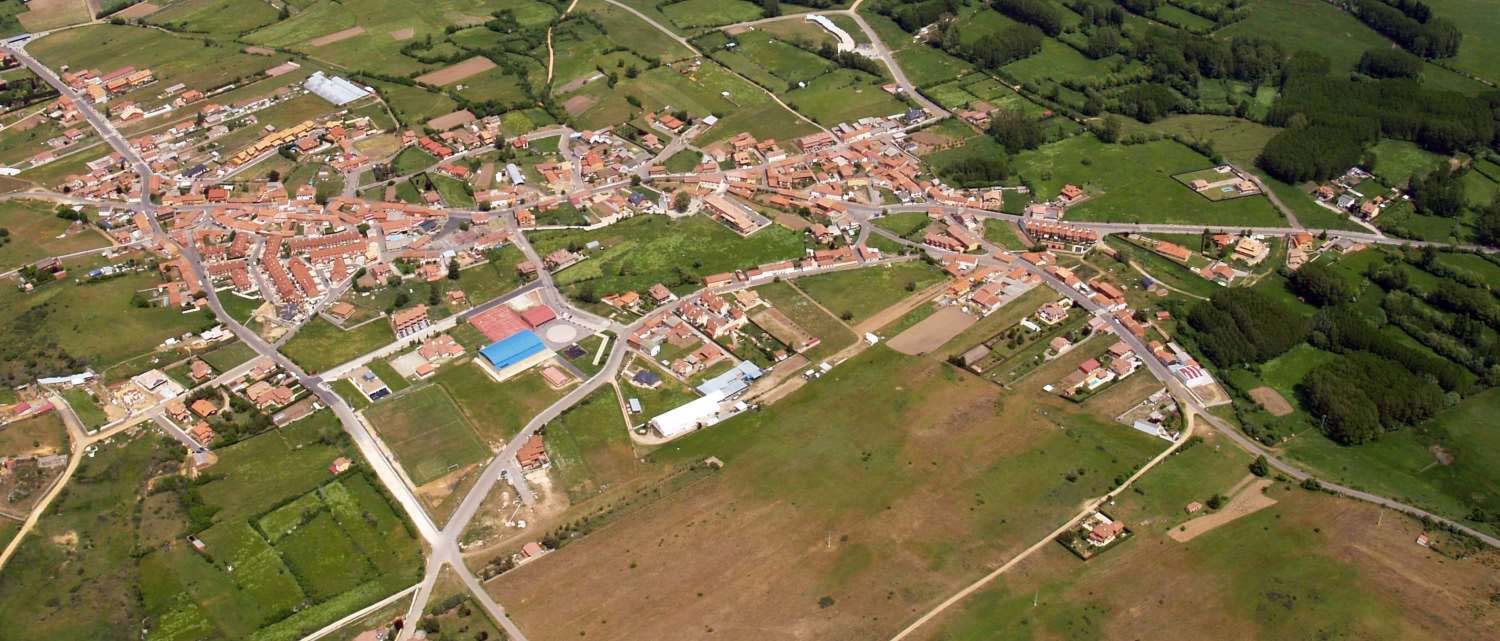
<point x="1088" y="508"/>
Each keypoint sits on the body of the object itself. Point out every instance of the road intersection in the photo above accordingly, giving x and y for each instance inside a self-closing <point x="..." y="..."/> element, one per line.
<point x="442" y="540"/>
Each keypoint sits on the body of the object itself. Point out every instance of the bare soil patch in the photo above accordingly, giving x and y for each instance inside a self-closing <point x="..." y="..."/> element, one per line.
<point x="792" y="221"/>
<point x="449" y="121"/>
<point x="575" y="85"/>
<point x="932" y="332"/>
<point x="901" y="308"/>
<point x="579" y="104"/>
<point x="139" y="10"/>
<point x="780" y="327"/>
<point x="403" y="34"/>
<point x="325" y="40"/>
<point x="1271" y="400"/>
<point x="42" y="15"/>
<point x="1441" y="455"/>
<point x="454" y="73"/>
<point x="260" y="51"/>
<point x="1250" y="498"/>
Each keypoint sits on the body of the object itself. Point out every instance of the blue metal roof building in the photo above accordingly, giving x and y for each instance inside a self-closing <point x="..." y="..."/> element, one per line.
<point x="733" y="381"/>
<point x="513" y="349"/>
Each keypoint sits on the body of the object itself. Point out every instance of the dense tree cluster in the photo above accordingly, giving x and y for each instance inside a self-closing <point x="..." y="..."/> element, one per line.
<point x="1242" y="326"/>
<point x="1320" y="285"/>
<point x="912" y="16"/>
<point x="1041" y="14"/>
<point x="995" y="49"/>
<point x="1439" y="193"/>
<point x="1329" y="121"/>
<point x="975" y="171"/>
<point x="1430" y="37"/>
<point x="1311" y="153"/>
<point x="1015" y="131"/>
<point x="1390" y="63"/>
<point x="1361" y="394"/>
<point x="1342" y="329"/>
<point x="1148" y="102"/>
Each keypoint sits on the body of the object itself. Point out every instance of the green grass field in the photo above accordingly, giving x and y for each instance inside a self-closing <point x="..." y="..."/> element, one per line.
<point x="589" y="447"/>
<point x="1309" y="25"/>
<point x="641" y="251"/>
<point x="843" y="95"/>
<point x="1239" y="141"/>
<point x="320" y="344"/>
<point x="37" y="233"/>
<point x="1480" y="50"/>
<point x="428" y="433"/>
<point x="1397" y="161"/>
<point x="1133" y="183"/>
<point x="1402" y="464"/>
<point x="696" y="14"/>
<point x="497" y="411"/>
<point x="834" y="336"/>
<point x="864" y="292"/>
<point x="219" y="17"/>
<point x="85" y="407"/>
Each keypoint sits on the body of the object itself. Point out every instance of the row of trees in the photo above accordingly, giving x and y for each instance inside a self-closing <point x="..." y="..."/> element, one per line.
<point x="1429" y="37"/>
<point x="1041" y="14"/>
<point x="1389" y="63"/>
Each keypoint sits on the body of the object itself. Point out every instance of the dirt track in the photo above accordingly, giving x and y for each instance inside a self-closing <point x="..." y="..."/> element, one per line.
<point x="1250" y="499"/>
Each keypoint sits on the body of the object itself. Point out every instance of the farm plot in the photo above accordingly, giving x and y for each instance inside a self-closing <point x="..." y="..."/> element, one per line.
<point x="454" y="73"/>
<point x="863" y="292"/>
<point x="697" y="14"/>
<point x="37" y="233"/>
<point x="843" y="95"/>
<point x="172" y="58"/>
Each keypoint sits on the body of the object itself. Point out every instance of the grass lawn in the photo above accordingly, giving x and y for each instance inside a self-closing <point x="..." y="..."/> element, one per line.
<point x="1004" y="234"/>
<point x="864" y="292"/>
<point x="906" y="224"/>
<point x="497" y="411"/>
<point x="219" y="17"/>
<point x="238" y="307"/>
<point x="412" y="160"/>
<point x="1133" y="183"/>
<point x="1480" y="52"/>
<point x="37" y="233"/>
<point x="843" y="95"/>
<point x="427" y="432"/>
<point x="1168" y="272"/>
<point x="414" y="105"/>
<point x="683" y="161"/>
<point x="590" y="448"/>
<point x="695" y="14"/>
<point x="228" y="357"/>
<point x="641" y="251"/>
<point x="85" y="407"/>
<point x="1397" y="161"/>
<point x="320" y="344"/>
<point x="833" y="335"/>
<point x="928" y="66"/>
<point x="1239" y="141"/>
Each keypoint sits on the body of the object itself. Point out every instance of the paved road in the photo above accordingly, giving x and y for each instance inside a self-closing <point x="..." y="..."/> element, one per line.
<point x="1187" y="399"/>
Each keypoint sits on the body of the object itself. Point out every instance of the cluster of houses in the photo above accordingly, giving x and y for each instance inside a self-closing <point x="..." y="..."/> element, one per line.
<point x="1116" y="363"/>
<point x="984" y="289"/>
<point x="1352" y="193"/>
<point x="99" y="88"/>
